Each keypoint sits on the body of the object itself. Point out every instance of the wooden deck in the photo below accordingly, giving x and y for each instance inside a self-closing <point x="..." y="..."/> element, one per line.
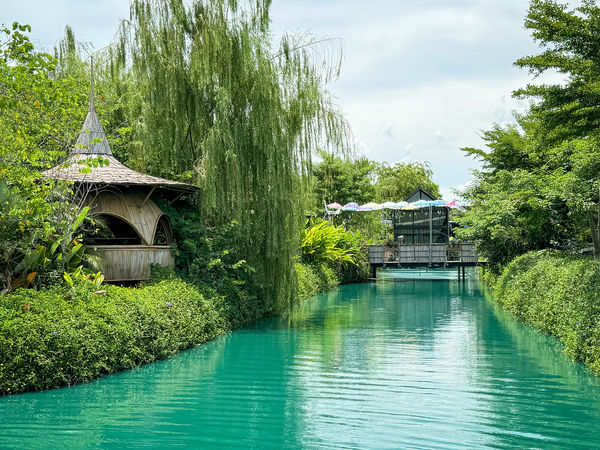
<point x="424" y="255"/>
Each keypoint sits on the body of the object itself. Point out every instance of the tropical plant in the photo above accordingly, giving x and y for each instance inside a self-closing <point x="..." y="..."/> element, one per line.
<point x="85" y="277"/>
<point x="322" y="243"/>
<point x="38" y="115"/>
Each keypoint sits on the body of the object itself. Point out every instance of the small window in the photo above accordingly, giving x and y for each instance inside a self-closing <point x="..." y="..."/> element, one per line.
<point x="105" y="229"/>
<point x="164" y="233"/>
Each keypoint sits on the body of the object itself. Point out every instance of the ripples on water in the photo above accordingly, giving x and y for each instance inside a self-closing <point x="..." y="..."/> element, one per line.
<point x="380" y="365"/>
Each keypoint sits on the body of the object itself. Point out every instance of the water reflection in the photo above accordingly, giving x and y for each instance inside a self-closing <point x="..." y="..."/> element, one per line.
<point x="386" y="364"/>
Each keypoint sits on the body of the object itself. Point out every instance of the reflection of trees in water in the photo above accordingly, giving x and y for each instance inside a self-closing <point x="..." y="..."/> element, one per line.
<point x="536" y="396"/>
<point x="109" y="408"/>
<point x="352" y="324"/>
<point x="436" y="350"/>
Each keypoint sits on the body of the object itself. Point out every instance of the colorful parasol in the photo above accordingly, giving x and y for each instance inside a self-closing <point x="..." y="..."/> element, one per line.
<point x="350" y="207"/>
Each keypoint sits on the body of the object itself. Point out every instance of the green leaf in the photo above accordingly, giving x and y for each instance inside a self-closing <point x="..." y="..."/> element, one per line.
<point x="80" y="218"/>
<point x="68" y="279"/>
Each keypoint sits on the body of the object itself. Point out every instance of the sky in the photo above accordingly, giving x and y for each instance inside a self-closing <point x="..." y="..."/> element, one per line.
<point x="420" y="78"/>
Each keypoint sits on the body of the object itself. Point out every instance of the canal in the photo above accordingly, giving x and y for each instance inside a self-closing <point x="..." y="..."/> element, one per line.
<point x="404" y="363"/>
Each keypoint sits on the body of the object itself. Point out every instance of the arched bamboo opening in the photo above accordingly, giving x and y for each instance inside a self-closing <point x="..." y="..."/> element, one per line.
<point x="112" y="230"/>
<point x="163" y="234"/>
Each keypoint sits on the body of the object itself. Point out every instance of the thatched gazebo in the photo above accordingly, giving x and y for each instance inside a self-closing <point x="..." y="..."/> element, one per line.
<point x="136" y="232"/>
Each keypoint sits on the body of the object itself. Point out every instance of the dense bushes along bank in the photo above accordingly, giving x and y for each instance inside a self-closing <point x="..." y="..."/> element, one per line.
<point x="58" y="337"/>
<point x="559" y="294"/>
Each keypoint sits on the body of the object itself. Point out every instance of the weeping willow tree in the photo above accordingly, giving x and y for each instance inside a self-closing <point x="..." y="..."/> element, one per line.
<point x="224" y="108"/>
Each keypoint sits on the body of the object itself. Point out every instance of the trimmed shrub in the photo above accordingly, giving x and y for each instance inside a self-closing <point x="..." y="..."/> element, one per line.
<point x="559" y="294"/>
<point x="59" y="336"/>
<point x="56" y="337"/>
<point x="314" y="278"/>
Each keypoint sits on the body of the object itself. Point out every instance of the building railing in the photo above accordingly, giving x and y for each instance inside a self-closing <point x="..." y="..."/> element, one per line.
<point x="422" y="254"/>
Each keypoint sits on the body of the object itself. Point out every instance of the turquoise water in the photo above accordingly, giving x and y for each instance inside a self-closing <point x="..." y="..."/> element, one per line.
<point x="380" y="365"/>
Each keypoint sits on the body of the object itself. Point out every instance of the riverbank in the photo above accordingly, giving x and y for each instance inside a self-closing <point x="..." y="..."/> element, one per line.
<point x="348" y="371"/>
<point x="558" y="294"/>
<point x="60" y="337"/>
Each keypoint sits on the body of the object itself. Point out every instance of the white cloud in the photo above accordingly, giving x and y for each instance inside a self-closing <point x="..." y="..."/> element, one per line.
<point x="439" y="135"/>
<point x="459" y="107"/>
<point x="450" y="193"/>
<point x="440" y="72"/>
<point x="362" y="148"/>
<point x="388" y="130"/>
<point x="420" y="78"/>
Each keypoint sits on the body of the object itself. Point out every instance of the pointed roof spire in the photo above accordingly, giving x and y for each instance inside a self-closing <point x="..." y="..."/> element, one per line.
<point x="92" y="105"/>
<point x="92" y="130"/>
<point x="116" y="173"/>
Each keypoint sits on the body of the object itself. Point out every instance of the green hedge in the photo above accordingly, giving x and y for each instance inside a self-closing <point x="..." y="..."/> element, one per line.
<point x="56" y="337"/>
<point x="313" y="278"/>
<point x="48" y="340"/>
<point x="559" y="294"/>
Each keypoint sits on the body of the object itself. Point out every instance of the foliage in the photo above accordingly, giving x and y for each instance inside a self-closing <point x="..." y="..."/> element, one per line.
<point x="211" y="256"/>
<point x="39" y="114"/>
<point x="38" y="221"/>
<point x="56" y="337"/>
<point x="344" y="251"/>
<point x="50" y="338"/>
<point x="512" y="213"/>
<point x="361" y="180"/>
<point x="82" y="276"/>
<point x="559" y="294"/>
<point x="343" y="180"/>
<point x="313" y="279"/>
<point x="508" y="149"/>
<point x="569" y="39"/>
<point x="355" y="242"/>
<point x="213" y="102"/>
<point x="554" y="147"/>
<point x="398" y="181"/>
<point x="367" y="223"/>
<point x="321" y="244"/>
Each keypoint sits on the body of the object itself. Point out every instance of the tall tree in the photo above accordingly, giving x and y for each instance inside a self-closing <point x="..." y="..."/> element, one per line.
<point x="571" y="43"/>
<point x="398" y="181"/>
<point x="221" y="107"/>
<point x="552" y="156"/>
<point x="569" y="111"/>
<point x="344" y="180"/>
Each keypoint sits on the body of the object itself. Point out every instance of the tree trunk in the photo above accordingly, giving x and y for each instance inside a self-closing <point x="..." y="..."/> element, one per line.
<point x="594" y="219"/>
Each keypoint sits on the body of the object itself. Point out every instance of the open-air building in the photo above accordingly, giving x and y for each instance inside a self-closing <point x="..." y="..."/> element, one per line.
<point x="430" y="225"/>
<point x="135" y="231"/>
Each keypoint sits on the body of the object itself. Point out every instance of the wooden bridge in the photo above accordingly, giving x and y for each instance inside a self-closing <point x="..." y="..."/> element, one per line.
<point x="424" y="255"/>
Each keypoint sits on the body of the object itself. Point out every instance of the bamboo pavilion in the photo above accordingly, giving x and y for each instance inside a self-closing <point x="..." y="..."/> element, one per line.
<point x="136" y="232"/>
